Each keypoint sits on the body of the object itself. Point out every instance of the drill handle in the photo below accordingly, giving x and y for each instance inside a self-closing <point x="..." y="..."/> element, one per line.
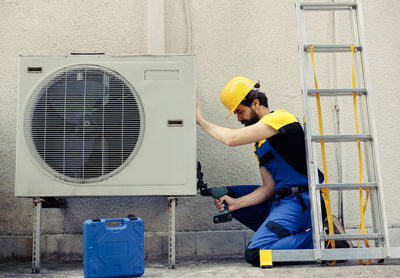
<point x="226" y="208"/>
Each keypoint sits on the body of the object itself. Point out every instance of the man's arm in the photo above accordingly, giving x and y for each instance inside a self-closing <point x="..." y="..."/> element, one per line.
<point x="234" y="137"/>
<point x="264" y="192"/>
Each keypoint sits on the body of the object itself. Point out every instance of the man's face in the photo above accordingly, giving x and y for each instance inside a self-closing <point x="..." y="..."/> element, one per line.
<point x="246" y="115"/>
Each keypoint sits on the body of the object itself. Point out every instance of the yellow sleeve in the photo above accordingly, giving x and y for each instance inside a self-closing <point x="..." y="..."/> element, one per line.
<point x="278" y="119"/>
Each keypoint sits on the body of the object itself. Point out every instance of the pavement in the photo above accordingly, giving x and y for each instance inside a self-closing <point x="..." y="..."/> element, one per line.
<point x="199" y="268"/>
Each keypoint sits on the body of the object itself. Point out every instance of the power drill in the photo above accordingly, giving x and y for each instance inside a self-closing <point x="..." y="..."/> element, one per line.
<point x="216" y="193"/>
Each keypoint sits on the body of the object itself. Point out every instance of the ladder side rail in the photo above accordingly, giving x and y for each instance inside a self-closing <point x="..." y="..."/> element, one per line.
<point x="372" y="125"/>
<point x="354" y="28"/>
<point x="369" y="158"/>
<point x="307" y="131"/>
<point x="302" y="255"/>
<point x="371" y="171"/>
<point x="318" y="228"/>
<point x="317" y="191"/>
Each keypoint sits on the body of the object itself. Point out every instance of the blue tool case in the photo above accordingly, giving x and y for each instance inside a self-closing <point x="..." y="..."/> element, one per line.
<point x="113" y="247"/>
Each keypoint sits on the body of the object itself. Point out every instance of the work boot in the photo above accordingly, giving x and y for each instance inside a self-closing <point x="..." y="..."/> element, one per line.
<point x="338" y="229"/>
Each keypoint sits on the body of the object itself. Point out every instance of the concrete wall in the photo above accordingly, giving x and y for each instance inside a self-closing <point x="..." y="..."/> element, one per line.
<point x="254" y="38"/>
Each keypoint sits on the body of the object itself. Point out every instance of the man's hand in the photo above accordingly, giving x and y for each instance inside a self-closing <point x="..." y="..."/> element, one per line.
<point x="219" y="203"/>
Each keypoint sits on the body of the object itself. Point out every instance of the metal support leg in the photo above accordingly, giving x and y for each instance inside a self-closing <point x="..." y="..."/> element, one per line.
<point x="37" y="221"/>
<point x="171" y="230"/>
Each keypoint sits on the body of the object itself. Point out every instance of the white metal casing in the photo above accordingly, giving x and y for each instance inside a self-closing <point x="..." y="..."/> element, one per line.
<point x="165" y="163"/>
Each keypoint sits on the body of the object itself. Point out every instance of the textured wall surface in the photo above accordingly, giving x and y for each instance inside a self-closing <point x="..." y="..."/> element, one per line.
<point x="253" y="38"/>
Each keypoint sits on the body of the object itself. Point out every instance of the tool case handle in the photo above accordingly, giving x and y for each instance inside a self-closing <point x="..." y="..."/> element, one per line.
<point x="122" y="221"/>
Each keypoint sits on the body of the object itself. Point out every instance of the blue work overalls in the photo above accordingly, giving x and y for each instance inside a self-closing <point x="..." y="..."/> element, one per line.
<point x="283" y="222"/>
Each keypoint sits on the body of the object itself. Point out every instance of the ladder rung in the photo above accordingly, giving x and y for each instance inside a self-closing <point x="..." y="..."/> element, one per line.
<point x="351" y="236"/>
<point x="340" y="138"/>
<point x="337" y="92"/>
<point x="332" y="47"/>
<point x="328" y="6"/>
<point x="346" y="186"/>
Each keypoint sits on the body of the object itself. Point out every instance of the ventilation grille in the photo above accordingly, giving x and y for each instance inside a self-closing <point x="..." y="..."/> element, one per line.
<point x="84" y="123"/>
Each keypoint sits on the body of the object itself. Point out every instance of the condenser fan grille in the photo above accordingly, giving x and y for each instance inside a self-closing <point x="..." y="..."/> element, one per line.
<point x="84" y="123"/>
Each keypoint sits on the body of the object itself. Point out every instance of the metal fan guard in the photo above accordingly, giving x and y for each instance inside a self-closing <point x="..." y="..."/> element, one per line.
<point x="84" y="87"/>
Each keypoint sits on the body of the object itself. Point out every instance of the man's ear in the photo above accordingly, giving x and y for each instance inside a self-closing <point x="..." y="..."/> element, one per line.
<point x="255" y="104"/>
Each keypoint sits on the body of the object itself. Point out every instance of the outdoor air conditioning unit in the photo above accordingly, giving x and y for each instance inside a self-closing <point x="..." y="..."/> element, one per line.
<point x="97" y="125"/>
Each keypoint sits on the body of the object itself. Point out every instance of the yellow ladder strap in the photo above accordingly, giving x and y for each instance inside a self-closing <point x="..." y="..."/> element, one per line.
<point x="363" y="207"/>
<point x="324" y="191"/>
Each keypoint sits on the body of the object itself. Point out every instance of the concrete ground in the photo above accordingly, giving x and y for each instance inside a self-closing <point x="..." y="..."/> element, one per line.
<point x="232" y="268"/>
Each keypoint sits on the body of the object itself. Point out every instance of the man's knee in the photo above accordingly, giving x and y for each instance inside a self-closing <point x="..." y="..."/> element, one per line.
<point x="252" y="256"/>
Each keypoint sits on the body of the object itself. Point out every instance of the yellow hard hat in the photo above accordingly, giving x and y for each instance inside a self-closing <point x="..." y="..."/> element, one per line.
<point x="235" y="91"/>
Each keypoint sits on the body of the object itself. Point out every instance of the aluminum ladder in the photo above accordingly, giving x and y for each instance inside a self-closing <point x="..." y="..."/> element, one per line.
<point x="379" y="235"/>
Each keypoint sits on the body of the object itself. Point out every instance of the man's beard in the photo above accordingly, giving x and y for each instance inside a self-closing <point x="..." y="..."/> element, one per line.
<point x="253" y="119"/>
